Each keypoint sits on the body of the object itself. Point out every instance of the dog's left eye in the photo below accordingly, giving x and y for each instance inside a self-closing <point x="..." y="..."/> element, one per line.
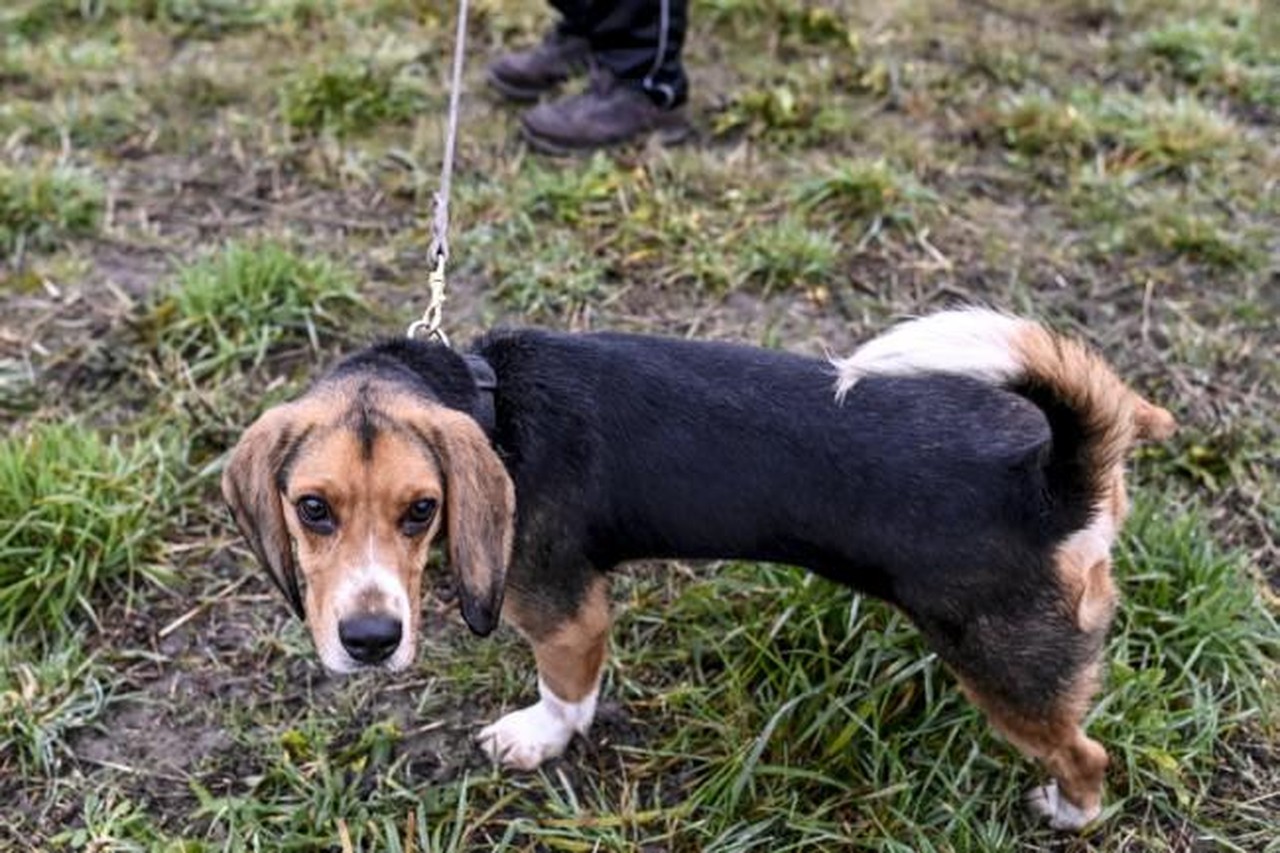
<point x="315" y="513"/>
<point x="419" y="515"/>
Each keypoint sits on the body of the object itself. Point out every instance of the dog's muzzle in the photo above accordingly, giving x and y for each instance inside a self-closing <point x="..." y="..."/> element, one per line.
<point x="370" y="638"/>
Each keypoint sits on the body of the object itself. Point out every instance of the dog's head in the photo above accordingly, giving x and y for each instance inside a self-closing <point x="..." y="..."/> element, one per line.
<point x="341" y="492"/>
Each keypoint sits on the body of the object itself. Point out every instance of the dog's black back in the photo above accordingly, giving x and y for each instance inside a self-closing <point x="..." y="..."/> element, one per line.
<point x="625" y="447"/>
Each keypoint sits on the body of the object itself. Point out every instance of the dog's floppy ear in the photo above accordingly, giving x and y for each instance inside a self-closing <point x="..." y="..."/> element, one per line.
<point x="251" y="487"/>
<point x="480" y="513"/>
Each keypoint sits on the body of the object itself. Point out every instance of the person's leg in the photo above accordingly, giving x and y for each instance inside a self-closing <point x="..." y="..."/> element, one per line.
<point x="640" y="42"/>
<point x="525" y="75"/>
<point x="638" y="83"/>
<point x="575" y="17"/>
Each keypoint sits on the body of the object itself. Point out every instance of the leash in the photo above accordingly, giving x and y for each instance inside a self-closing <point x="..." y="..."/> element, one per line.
<point x="434" y="313"/>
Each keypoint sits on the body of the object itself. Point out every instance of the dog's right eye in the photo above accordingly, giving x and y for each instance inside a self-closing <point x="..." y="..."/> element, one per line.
<point x="314" y="512"/>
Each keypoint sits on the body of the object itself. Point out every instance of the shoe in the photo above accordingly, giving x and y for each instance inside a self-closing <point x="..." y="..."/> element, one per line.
<point x="525" y="75"/>
<point x="608" y="112"/>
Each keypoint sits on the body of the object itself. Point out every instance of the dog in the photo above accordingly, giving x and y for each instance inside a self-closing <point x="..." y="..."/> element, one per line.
<point x="967" y="467"/>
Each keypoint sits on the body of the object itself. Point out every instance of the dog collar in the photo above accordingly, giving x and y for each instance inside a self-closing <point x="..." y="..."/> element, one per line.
<point x="486" y="383"/>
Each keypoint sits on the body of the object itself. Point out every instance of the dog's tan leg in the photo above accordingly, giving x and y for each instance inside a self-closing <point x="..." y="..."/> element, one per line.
<point x="1076" y="762"/>
<point x="570" y="653"/>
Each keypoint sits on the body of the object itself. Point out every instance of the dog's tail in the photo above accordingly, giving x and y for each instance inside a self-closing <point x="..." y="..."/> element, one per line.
<point x="1094" y="417"/>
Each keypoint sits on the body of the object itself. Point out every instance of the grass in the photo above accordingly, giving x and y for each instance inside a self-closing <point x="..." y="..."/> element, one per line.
<point x="1227" y="54"/>
<point x="1127" y="217"/>
<point x="229" y="309"/>
<point x="861" y="192"/>
<point x="35" y="19"/>
<point x="797" y="717"/>
<point x="352" y="96"/>
<point x="206" y="201"/>
<point x="784" y="113"/>
<point x="1143" y="132"/>
<point x="1191" y="656"/>
<point x="562" y="280"/>
<point x="44" y="700"/>
<point x="41" y="205"/>
<point x="788" y="254"/>
<point x="83" y="119"/>
<point x="84" y="515"/>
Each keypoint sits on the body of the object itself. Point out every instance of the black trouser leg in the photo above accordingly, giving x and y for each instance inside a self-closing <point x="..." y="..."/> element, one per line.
<point x="575" y="17"/>
<point x="640" y="41"/>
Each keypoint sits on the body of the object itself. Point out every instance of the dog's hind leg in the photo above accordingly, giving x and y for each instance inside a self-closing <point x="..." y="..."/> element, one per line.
<point x="570" y="651"/>
<point x="1054" y="737"/>
<point x="1030" y="660"/>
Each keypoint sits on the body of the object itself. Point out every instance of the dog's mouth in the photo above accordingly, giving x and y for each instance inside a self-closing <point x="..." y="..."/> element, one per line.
<point x="357" y="668"/>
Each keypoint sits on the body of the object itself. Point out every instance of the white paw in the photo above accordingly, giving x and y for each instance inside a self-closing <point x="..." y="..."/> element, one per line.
<point x="524" y="739"/>
<point x="1048" y="802"/>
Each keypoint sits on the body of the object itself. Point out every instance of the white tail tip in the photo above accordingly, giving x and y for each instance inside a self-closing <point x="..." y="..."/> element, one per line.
<point x="976" y="342"/>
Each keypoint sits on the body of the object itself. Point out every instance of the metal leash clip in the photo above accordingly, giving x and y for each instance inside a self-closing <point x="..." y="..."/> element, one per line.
<point x="429" y="325"/>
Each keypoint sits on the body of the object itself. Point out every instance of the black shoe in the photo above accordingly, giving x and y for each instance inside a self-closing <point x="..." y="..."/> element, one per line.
<point x="524" y="75"/>
<point x="607" y="113"/>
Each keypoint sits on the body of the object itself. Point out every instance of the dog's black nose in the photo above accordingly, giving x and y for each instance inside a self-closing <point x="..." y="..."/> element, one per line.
<point x="371" y="637"/>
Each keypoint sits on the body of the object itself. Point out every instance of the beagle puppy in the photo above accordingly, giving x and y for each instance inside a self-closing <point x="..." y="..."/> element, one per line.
<point x="967" y="467"/>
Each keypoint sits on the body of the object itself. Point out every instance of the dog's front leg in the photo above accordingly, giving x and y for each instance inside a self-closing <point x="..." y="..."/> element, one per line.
<point x="570" y="652"/>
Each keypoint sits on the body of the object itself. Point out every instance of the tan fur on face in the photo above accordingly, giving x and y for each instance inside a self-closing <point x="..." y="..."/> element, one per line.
<point x="370" y="451"/>
<point x="480" y="506"/>
<point x="250" y="490"/>
<point x="368" y="565"/>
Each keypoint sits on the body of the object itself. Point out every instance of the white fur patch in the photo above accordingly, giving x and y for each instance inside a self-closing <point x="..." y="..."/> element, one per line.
<point x="372" y="577"/>
<point x="1093" y="543"/>
<point x="973" y="342"/>
<point x="524" y="739"/>
<point x="1048" y="802"/>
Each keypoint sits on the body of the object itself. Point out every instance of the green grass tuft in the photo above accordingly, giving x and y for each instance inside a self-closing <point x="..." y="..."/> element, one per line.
<point x="865" y="190"/>
<point x="1140" y="131"/>
<point x="106" y="119"/>
<point x="352" y="96"/>
<point x="38" y="19"/>
<point x="317" y="784"/>
<point x="1202" y="239"/>
<point x="83" y="514"/>
<point x="787" y="114"/>
<point x="573" y="196"/>
<point x="1168" y="134"/>
<point x="1035" y="124"/>
<point x="43" y="700"/>
<point x="788" y="254"/>
<point x="1229" y="54"/>
<point x="560" y="281"/>
<point x="232" y="307"/>
<point x="1192" y="660"/>
<point x="1136" y="220"/>
<point x="40" y="206"/>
